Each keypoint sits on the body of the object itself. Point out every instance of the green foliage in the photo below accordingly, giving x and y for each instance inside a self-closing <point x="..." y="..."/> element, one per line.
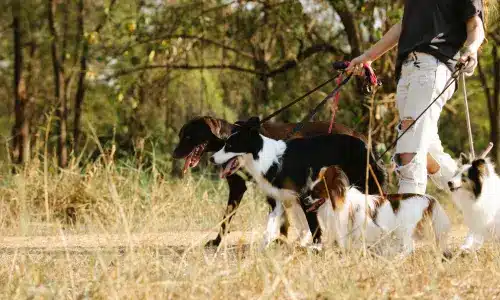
<point x="153" y="65"/>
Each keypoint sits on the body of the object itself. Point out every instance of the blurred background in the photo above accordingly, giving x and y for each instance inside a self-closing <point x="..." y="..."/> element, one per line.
<point x="79" y="78"/>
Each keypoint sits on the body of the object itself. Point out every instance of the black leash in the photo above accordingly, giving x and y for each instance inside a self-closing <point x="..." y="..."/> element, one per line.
<point x="370" y="78"/>
<point x="311" y="115"/>
<point x="452" y="80"/>
<point x="298" y="99"/>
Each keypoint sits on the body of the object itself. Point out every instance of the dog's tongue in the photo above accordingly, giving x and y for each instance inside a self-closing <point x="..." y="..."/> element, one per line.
<point x="231" y="167"/>
<point x="193" y="158"/>
<point x="187" y="162"/>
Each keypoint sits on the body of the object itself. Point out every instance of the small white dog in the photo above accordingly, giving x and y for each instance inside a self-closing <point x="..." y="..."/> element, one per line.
<point x="377" y="217"/>
<point x="476" y="191"/>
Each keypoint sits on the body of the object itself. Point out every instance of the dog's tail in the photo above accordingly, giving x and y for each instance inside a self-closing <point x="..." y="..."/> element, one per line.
<point x="440" y="223"/>
<point x="285" y="195"/>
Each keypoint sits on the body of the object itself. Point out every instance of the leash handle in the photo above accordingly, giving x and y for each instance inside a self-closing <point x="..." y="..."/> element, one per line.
<point x="370" y="76"/>
<point x="311" y="115"/>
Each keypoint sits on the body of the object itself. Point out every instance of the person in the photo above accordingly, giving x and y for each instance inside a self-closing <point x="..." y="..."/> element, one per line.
<point x="432" y="37"/>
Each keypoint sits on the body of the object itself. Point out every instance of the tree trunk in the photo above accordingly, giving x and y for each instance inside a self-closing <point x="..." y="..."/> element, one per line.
<point x="261" y="83"/>
<point x="495" y="103"/>
<point x="80" y="91"/>
<point x="59" y="88"/>
<point x="21" y="147"/>
<point x="351" y="26"/>
<point x="492" y="96"/>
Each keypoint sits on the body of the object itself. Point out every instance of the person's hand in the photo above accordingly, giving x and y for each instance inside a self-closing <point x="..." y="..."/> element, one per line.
<point x="468" y="57"/>
<point x="356" y="65"/>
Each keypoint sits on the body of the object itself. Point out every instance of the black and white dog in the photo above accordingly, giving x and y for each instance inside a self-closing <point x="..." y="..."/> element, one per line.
<point x="289" y="164"/>
<point x="476" y="191"/>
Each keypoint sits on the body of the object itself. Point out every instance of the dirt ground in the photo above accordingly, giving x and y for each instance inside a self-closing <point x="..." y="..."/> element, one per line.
<point x="180" y="240"/>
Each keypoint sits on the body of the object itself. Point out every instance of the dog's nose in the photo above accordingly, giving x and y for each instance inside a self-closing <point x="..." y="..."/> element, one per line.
<point x="212" y="160"/>
<point x="450" y="184"/>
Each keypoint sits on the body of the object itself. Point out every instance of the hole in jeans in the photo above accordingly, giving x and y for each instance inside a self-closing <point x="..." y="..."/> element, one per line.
<point x="402" y="159"/>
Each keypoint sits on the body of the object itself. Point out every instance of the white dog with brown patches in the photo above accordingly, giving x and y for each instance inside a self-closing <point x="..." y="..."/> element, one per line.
<point x="476" y="192"/>
<point x="376" y="217"/>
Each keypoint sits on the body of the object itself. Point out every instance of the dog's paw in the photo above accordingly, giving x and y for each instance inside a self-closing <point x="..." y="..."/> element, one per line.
<point x="466" y="252"/>
<point x="315" y="248"/>
<point x="447" y="255"/>
<point x="213" y="243"/>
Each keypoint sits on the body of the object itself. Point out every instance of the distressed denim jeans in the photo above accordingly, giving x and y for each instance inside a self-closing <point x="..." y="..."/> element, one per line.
<point x="423" y="78"/>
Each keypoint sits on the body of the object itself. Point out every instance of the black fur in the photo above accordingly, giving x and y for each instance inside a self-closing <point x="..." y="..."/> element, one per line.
<point x="303" y="155"/>
<point x="476" y="173"/>
<point x="194" y="133"/>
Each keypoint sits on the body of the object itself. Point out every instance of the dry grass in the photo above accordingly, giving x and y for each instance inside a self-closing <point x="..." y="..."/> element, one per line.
<point x="130" y="241"/>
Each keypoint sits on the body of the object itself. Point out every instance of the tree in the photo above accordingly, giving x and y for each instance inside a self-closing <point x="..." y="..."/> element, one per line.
<point x="59" y="85"/>
<point x="492" y="91"/>
<point x="20" y="131"/>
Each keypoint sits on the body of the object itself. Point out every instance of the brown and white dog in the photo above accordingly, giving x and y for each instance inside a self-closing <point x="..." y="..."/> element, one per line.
<point x="207" y="134"/>
<point x="377" y="217"/>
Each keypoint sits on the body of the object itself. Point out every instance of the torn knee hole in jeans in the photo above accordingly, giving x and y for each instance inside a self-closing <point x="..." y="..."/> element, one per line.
<point x="400" y="158"/>
<point x="411" y="170"/>
<point x="405" y="123"/>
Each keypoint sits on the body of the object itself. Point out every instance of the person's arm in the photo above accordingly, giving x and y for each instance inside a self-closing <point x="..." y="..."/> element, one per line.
<point x="475" y="37"/>
<point x="386" y="43"/>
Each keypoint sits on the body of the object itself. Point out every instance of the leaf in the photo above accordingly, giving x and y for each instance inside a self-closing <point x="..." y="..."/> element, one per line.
<point x="151" y="56"/>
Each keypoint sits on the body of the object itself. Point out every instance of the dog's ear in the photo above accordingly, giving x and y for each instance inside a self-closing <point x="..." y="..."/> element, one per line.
<point x="253" y="122"/>
<point x="482" y="166"/>
<point x="463" y="159"/>
<point x="239" y="123"/>
<point x="322" y="173"/>
<point x="214" y="125"/>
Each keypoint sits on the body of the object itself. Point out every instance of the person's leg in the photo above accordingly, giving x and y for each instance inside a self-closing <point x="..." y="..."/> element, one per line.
<point x="444" y="166"/>
<point x="422" y="80"/>
<point x="440" y="165"/>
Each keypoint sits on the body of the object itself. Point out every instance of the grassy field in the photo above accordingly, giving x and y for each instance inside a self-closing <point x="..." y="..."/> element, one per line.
<point x="117" y="232"/>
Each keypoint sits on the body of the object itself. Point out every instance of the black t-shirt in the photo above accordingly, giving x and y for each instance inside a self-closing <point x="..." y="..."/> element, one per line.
<point x="436" y="27"/>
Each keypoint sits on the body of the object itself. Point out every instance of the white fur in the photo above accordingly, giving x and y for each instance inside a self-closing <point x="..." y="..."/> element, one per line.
<point x="286" y="201"/>
<point x="274" y="222"/>
<point x="402" y="224"/>
<point x="482" y="214"/>
<point x="221" y="156"/>
<point x="271" y="152"/>
<point x="326" y="219"/>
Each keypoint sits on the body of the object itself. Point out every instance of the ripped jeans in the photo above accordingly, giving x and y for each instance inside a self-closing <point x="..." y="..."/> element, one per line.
<point x="423" y="78"/>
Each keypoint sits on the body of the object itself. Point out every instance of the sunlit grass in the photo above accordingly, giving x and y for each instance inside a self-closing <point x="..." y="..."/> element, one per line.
<point x="139" y="235"/>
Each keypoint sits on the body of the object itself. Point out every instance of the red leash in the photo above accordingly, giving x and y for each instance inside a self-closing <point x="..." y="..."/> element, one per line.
<point x="370" y="75"/>
<point x="334" y="106"/>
